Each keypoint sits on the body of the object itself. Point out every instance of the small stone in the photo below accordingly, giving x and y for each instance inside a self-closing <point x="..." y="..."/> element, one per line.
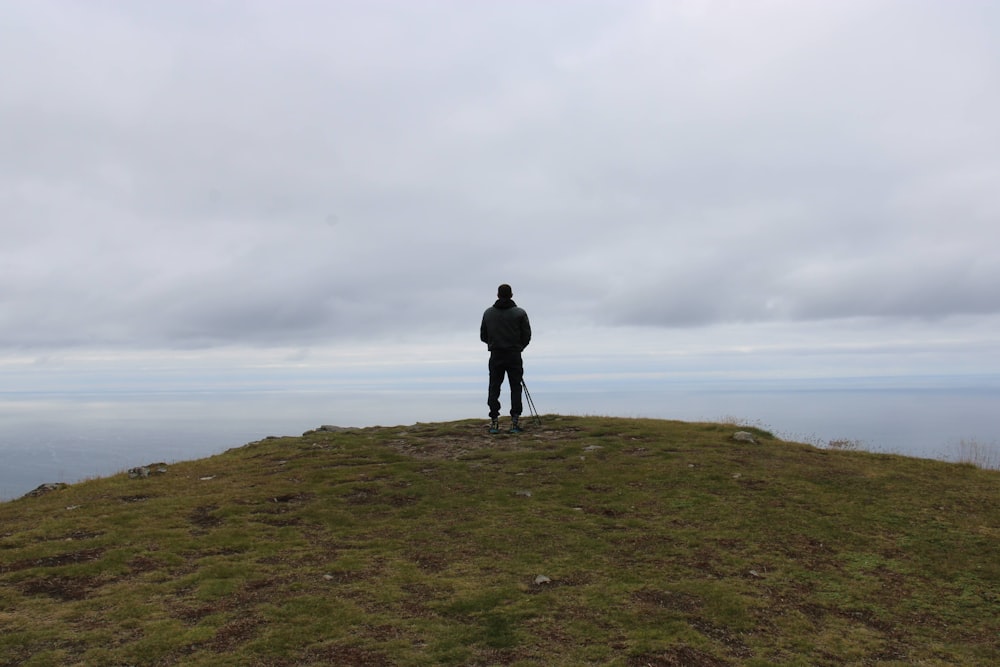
<point x="48" y="487"/>
<point x="592" y="448"/>
<point x="523" y="494"/>
<point x="541" y="580"/>
<point x="744" y="436"/>
<point x="205" y="479"/>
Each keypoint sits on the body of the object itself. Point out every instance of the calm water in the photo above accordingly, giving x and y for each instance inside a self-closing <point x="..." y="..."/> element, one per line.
<point x="52" y="438"/>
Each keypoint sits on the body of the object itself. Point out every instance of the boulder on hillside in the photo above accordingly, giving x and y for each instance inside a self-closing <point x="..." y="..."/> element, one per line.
<point x="330" y="428"/>
<point x="145" y="471"/>
<point x="43" y="489"/>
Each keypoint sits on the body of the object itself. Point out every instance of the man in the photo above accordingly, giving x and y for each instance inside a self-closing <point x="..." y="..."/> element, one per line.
<point x="506" y="332"/>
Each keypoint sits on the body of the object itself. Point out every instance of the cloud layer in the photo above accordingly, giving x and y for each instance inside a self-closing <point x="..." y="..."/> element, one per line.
<point x="177" y="175"/>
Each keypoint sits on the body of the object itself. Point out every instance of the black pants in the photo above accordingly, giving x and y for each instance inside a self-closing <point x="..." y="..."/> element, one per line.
<point x="505" y="362"/>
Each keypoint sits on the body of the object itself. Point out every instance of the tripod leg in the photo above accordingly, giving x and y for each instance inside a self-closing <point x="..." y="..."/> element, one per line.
<point x="531" y="404"/>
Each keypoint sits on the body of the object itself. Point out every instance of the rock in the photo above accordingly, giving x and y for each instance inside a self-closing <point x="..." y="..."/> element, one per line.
<point x="523" y="494"/>
<point x="592" y="448"/>
<point x="48" y="487"/>
<point x="330" y="428"/>
<point x="744" y="436"/>
<point x="541" y="580"/>
<point x="146" y="471"/>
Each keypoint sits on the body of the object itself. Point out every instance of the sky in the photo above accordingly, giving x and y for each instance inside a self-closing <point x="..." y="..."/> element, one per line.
<point x="257" y="193"/>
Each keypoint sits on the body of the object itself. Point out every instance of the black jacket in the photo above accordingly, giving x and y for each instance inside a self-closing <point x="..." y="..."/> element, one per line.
<point x="505" y="327"/>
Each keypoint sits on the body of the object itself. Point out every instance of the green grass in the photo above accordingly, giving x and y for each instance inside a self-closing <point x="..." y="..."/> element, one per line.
<point x="665" y="543"/>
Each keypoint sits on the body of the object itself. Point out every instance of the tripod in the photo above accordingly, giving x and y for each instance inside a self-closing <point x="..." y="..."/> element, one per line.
<point x="531" y="404"/>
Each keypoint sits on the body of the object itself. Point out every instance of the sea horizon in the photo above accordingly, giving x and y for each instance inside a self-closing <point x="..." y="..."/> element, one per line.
<point x="51" y="437"/>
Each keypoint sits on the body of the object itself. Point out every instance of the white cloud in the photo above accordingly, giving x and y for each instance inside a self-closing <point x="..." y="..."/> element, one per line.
<point x="249" y="176"/>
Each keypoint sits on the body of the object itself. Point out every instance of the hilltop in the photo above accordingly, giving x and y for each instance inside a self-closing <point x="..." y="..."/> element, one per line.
<point x="583" y="541"/>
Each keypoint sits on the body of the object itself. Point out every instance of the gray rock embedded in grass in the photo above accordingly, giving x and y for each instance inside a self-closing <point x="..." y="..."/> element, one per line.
<point x="146" y="471"/>
<point x="329" y="428"/>
<point x="48" y="487"/>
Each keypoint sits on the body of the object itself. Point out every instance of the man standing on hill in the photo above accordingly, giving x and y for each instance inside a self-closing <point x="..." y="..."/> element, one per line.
<point x="506" y="332"/>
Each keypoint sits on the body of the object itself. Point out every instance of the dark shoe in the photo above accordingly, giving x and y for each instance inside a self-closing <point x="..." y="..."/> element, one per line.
<point x="494" y="426"/>
<point x="514" y="427"/>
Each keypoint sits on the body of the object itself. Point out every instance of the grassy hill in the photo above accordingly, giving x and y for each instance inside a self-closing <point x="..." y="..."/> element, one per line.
<point x="586" y="541"/>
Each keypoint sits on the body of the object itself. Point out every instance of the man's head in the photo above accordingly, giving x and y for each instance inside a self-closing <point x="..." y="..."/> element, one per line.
<point x="504" y="291"/>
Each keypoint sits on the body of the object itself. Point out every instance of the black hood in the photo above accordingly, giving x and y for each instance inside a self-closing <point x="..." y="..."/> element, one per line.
<point x="504" y="304"/>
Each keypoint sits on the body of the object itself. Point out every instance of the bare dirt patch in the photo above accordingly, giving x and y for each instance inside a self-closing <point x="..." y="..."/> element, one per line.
<point x="70" y="558"/>
<point x="339" y="654"/>
<point x="474" y="437"/>
<point x="235" y="633"/>
<point x="202" y="517"/>
<point x="61" y="588"/>
<point x="681" y="602"/>
<point x="682" y="656"/>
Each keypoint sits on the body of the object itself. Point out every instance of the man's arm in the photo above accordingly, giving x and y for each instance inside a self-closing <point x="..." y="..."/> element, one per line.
<point x="525" y="331"/>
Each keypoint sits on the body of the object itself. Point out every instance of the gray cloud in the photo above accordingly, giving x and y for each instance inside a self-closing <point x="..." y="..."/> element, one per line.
<point x="205" y="174"/>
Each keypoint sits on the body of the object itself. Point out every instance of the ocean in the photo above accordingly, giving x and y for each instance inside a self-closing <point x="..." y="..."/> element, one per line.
<point x="51" y="437"/>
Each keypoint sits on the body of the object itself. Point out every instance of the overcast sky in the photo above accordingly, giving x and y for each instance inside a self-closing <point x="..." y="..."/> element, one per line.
<point x="339" y="183"/>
